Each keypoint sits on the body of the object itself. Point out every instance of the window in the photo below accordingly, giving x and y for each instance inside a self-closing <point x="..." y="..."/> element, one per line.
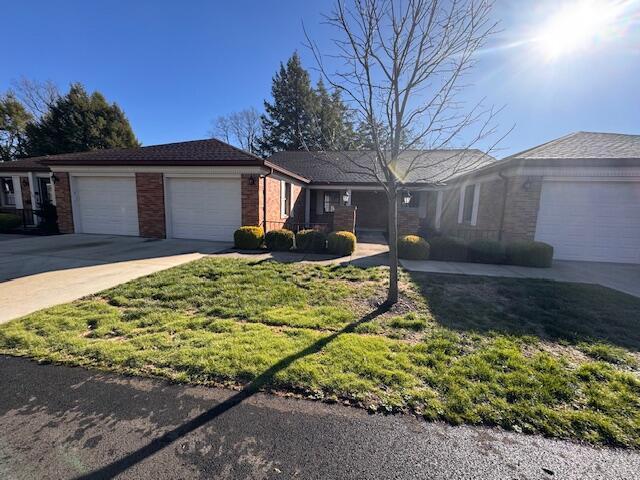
<point x="468" y="208"/>
<point x="8" y="196"/>
<point x="285" y="199"/>
<point x="331" y="200"/>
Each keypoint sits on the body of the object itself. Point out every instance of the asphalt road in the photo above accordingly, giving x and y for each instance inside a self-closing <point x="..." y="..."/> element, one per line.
<point x="59" y="422"/>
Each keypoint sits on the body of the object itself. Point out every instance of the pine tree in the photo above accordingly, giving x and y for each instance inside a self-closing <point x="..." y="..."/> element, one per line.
<point x="79" y="122"/>
<point x="301" y="117"/>
<point x="288" y="122"/>
<point x="14" y="118"/>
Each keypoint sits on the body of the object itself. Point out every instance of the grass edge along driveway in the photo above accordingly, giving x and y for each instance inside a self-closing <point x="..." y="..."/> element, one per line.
<point x="526" y="355"/>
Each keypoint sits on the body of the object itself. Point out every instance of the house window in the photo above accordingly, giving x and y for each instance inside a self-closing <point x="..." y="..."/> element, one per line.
<point x="469" y="194"/>
<point x="331" y="200"/>
<point x="8" y="195"/>
<point x="285" y="199"/>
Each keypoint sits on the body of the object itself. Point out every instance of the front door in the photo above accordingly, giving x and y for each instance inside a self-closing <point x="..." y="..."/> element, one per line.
<point x="372" y="209"/>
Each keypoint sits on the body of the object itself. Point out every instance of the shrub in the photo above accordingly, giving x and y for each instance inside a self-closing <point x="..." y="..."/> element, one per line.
<point x="413" y="247"/>
<point x="530" y="254"/>
<point x="280" y="240"/>
<point x="8" y="222"/>
<point x="341" y="243"/>
<point x="311" y="241"/>
<point x="487" y="251"/>
<point x="448" y="249"/>
<point x="248" y="238"/>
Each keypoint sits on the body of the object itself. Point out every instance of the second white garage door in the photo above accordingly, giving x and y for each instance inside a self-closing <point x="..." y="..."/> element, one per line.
<point x="106" y="205"/>
<point x="203" y="208"/>
<point x="591" y="221"/>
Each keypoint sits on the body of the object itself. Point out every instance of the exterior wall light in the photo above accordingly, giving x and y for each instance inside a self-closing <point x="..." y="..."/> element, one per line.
<point x="345" y="197"/>
<point x="406" y="198"/>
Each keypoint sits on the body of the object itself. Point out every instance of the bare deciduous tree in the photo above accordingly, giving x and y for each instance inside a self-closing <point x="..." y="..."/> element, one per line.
<point x="401" y="69"/>
<point x="242" y="129"/>
<point x="36" y="96"/>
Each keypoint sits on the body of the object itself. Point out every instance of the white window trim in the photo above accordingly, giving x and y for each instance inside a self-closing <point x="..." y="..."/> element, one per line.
<point x="463" y="190"/>
<point x="476" y="205"/>
<point x="283" y="199"/>
<point x="439" y="209"/>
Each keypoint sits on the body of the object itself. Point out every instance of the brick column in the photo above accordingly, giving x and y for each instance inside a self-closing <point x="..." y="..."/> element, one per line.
<point x="25" y="189"/>
<point x="63" y="203"/>
<point x="344" y="218"/>
<point x="408" y="221"/>
<point x="521" y="208"/>
<point x="150" y="194"/>
<point x="251" y="200"/>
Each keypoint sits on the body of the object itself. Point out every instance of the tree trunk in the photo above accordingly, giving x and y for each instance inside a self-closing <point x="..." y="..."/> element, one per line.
<point x="392" y="294"/>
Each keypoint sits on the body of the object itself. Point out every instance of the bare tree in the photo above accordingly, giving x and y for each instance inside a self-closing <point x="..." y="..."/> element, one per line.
<point x="242" y="129"/>
<point x="36" y="96"/>
<point x="401" y="69"/>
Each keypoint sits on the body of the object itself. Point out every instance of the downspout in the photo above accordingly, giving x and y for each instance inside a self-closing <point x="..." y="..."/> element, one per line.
<point x="504" y="206"/>
<point x="264" y="200"/>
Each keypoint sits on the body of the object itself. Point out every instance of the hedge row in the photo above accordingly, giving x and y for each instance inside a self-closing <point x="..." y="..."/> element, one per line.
<point x="525" y="253"/>
<point x="338" y="243"/>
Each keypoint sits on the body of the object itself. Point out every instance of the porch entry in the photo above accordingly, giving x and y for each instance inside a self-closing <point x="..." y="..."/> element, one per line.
<point x="372" y="209"/>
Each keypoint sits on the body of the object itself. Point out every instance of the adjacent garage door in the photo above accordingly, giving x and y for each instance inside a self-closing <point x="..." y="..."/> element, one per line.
<point x="106" y="205"/>
<point x="203" y="208"/>
<point x="591" y="221"/>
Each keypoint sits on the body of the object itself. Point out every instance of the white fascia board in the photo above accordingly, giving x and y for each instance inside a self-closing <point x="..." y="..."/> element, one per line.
<point x="167" y="170"/>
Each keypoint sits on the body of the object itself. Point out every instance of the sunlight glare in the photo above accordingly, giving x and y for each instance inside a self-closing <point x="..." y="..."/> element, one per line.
<point x="578" y="26"/>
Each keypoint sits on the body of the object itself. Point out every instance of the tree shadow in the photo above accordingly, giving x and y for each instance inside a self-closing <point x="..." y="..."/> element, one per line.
<point x="264" y="379"/>
<point x="555" y="311"/>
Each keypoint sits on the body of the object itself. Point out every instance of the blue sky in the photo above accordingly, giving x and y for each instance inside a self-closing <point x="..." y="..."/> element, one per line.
<point x="174" y="66"/>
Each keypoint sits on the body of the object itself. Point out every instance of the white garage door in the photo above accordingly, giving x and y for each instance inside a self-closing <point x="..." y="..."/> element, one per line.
<point x="203" y="208"/>
<point x="591" y="221"/>
<point x="106" y="205"/>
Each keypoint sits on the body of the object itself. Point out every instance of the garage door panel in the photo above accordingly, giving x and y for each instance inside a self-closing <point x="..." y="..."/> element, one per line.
<point x="106" y="205"/>
<point x="204" y="208"/>
<point x="591" y="221"/>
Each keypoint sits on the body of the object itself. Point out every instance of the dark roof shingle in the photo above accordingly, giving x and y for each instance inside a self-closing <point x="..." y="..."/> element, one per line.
<point x="413" y="166"/>
<point x="586" y="145"/>
<point x="24" y="165"/>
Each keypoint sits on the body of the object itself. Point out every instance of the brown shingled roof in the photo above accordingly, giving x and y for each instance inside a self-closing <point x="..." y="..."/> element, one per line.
<point x="24" y="165"/>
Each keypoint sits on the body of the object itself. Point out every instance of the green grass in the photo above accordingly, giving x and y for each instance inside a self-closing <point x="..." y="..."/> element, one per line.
<point x="532" y="356"/>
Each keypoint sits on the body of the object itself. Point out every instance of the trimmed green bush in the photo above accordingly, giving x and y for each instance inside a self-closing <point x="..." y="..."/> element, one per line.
<point x="248" y="238"/>
<point x="341" y="243"/>
<point x="413" y="247"/>
<point x="311" y="241"/>
<point x="279" y="240"/>
<point x="448" y="249"/>
<point x="487" y="251"/>
<point x="530" y="254"/>
<point x="8" y="222"/>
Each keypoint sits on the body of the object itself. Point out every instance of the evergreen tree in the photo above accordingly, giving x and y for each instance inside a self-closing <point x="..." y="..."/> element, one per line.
<point x="333" y="125"/>
<point x="288" y="122"/>
<point x="13" y="123"/>
<point x="301" y="117"/>
<point x="79" y="122"/>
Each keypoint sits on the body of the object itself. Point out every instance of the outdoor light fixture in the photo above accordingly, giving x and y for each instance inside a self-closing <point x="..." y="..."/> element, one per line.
<point x="54" y="179"/>
<point x="252" y="180"/>
<point x="526" y="186"/>
<point x="406" y="198"/>
<point x="345" y="197"/>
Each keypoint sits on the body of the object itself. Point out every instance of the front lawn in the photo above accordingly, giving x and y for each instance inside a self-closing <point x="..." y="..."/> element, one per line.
<point x="527" y="355"/>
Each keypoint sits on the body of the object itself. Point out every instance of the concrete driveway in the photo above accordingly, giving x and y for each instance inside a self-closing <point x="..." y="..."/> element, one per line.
<point x="39" y="272"/>
<point x="622" y="277"/>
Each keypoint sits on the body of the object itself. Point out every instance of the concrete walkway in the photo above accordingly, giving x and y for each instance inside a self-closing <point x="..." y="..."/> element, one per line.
<point x="621" y="277"/>
<point x="59" y="422"/>
<point x="39" y="272"/>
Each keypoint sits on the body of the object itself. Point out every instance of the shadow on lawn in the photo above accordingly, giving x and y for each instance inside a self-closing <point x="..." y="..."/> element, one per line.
<point x="555" y="311"/>
<point x="264" y="379"/>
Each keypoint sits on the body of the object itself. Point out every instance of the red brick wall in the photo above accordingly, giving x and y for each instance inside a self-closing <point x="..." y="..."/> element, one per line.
<point x="522" y="205"/>
<point x="251" y="200"/>
<point x="26" y="193"/>
<point x="408" y="221"/>
<point x="344" y="218"/>
<point x="63" y="203"/>
<point x="150" y="194"/>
